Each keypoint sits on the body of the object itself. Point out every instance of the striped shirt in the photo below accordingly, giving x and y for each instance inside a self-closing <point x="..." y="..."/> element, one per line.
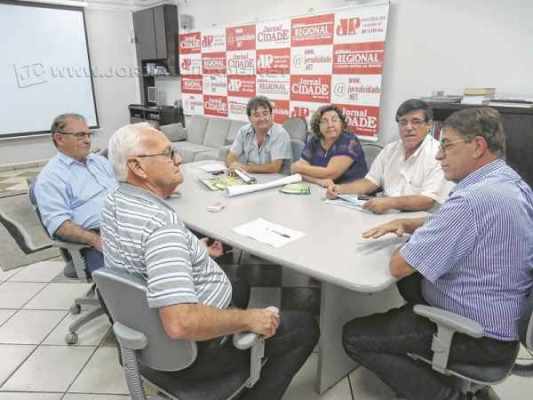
<point x="476" y="252"/>
<point x="142" y="234"/>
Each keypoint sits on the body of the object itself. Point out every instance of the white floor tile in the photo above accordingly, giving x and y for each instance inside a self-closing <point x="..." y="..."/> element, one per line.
<point x="5" y="314"/>
<point x="49" y="369"/>
<point x="5" y="275"/>
<point x="303" y="385"/>
<point x="12" y="356"/>
<point x="57" y="296"/>
<point x="90" y="334"/>
<point x="43" y="271"/>
<point x="515" y="388"/>
<point x="82" y="396"/>
<point x="102" y="374"/>
<point x="367" y="386"/>
<point x="30" y="396"/>
<point x="16" y="294"/>
<point x="29" y="326"/>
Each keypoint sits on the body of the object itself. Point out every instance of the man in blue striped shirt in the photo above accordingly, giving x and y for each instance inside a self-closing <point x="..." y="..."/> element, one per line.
<point x="143" y="234"/>
<point x="474" y="257"/>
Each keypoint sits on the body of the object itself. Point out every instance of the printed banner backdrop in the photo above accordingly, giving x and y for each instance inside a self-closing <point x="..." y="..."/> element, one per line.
<point x="299" y="63"/>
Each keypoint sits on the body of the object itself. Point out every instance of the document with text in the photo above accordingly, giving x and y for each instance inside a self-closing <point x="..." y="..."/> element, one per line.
<point x="267" y="232"/>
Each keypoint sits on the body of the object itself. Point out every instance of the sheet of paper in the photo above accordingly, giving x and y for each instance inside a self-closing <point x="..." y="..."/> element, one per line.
<point x="267" y="232"/>
<point x="216" y="166"/>
<point x="344" y="203"/>
<point x="242" y="189"/>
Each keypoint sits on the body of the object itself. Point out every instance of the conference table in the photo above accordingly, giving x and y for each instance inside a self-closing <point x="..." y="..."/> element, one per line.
<point x="354" y="275"/>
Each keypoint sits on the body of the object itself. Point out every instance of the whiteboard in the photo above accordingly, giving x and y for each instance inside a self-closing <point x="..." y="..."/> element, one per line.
<point x="44" y="69"/>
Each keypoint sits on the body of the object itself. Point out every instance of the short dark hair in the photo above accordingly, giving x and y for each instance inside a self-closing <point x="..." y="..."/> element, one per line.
<point x="256" y="102"/>
<point x="414" y="105"/>
<point x="60" y="123"/>
<point x="479" y="121"/>
<point x="317" y="116"/>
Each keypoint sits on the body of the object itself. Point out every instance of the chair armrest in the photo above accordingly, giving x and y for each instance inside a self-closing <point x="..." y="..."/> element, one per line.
<point x="129" y="338"/>
<point x="450" y="320"/>
<point x="71" y="246"/>
<point x="447" y="325"/>
<point x="245" y="340"/>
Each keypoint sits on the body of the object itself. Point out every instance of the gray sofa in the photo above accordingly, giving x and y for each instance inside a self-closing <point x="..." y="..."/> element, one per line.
<point x="204" y="137"/>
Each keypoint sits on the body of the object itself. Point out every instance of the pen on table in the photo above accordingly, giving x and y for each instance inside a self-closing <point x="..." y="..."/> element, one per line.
<point x="280" y="233"/>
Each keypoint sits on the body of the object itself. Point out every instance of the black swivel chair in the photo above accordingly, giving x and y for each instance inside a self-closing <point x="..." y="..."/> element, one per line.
<point x="471" y="378"/>
<point x="149" y="354"/>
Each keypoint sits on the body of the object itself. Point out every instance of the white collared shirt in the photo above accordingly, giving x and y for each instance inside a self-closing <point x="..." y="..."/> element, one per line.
<point x="420" y="174"/>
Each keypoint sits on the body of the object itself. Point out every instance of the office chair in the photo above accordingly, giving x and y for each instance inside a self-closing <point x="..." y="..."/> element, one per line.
<point x="297" y="146"/>
<point x="149" y="354"/>
<point x="296" y="128"/>
<point x="471" y="378"/>
<point x="371" y="151"/>
<point x="74" y="260"/>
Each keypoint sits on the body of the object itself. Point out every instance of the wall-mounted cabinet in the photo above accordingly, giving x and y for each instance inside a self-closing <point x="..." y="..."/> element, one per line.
<point x="156" y="31"/>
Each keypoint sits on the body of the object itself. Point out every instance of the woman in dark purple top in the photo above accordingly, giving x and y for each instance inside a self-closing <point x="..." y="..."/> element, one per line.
<point x="332" y="155"/>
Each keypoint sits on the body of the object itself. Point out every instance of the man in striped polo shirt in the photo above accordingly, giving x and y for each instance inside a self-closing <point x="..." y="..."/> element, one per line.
<point x="474" y="257"/>
<point x="143" y="234"/>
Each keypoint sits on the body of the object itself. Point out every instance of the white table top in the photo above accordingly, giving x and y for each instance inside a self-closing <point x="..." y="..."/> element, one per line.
<point x="331" y="250"/>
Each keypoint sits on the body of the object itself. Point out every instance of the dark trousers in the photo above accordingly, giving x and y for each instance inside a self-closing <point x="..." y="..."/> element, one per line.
<point x="286" y="351"/>
<point x="380" y="342"/>
<point x="94" y="259"/>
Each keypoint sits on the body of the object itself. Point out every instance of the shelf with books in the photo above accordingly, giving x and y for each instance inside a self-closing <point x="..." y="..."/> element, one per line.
<point x="518" y="127"/>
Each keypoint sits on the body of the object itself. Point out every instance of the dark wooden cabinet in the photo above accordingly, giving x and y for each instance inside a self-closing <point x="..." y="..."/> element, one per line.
<point x="518" y="126"/>
<point x="155" y="35"/>
<point x="156" y="31"/>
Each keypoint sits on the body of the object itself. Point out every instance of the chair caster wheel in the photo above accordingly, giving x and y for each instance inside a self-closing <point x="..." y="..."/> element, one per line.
<point x="75" y="309"/>
<point x="71" y="338"/>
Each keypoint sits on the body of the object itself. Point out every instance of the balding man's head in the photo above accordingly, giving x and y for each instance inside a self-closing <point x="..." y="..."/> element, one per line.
<point x="143" y="156"/>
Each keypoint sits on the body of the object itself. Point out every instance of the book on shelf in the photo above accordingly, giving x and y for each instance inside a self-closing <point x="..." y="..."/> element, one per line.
<point x="509" y="104"/>
<point x="475" y="100"/>
<point x="490" y="92"/>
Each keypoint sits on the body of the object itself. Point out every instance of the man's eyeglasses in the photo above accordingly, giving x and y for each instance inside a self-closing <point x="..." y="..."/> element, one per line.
<point x="170" y="153"/>
<point x="446" y="144"/>
<point x="79" y="135"/>
<point x="416" y="122"/>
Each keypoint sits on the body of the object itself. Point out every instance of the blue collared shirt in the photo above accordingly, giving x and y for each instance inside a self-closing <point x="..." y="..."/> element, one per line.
<point x="277" y="146"/>
<point x="67" y="189"/>
<point x="476" y="252"/>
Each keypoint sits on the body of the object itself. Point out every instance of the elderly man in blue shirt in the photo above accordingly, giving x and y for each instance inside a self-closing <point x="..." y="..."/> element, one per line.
<point x="261" y="146"/>
<point x="474" y="257"/>
<point x="71" y="188"/>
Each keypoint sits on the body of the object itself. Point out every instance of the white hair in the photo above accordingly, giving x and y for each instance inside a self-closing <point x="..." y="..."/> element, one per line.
<point x="124" y="143"/>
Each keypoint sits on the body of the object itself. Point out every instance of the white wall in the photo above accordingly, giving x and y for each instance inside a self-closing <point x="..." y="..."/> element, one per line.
<point x="113" y="58"/>
<point x="431" y="44"/>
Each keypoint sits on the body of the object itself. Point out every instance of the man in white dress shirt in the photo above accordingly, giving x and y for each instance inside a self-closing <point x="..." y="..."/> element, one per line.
<point x="406" y="170"/>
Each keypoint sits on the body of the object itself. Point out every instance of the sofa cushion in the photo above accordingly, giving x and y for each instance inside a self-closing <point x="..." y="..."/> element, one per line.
<point x="196" y="129"/>
<point x="187" y="150"/>
<point x="233" y="129"/>
<point x="174" y="132"/>
<point x="216" y="132"/>
<point x="206" y="155"/>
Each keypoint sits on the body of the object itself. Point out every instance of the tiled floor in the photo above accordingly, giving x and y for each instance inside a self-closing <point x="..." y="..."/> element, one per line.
<point x="35" y="363"/>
